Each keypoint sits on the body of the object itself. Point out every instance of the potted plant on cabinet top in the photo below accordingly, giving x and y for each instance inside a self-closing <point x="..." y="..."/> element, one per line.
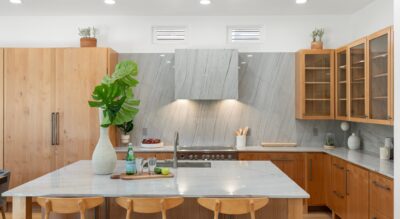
<point x="88" y="36"/>
<point x="126" y="128"/>
<point x="317" y="35"/>
<point x="117" y="105"/>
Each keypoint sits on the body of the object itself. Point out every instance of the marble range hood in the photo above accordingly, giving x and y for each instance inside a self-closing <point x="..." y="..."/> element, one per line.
<point x="206" y="74"/>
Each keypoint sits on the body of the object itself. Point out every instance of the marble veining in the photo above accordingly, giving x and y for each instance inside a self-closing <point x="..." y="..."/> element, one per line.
<point x="372" y="136"/>
<point x="223" y="179"/>
<point x="266" y="104"/>
<point x="206" y="74"/>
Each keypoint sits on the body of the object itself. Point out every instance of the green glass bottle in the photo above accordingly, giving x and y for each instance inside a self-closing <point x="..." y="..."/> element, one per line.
<point x="130" y="163"/>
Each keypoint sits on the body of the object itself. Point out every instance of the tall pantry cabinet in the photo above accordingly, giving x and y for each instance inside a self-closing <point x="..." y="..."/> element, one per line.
<point x="47" y="121"/>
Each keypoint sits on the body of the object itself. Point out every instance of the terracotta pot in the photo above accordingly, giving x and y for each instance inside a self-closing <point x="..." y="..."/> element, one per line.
<point x="88" y="42"/>
<point x="317" y="45"/>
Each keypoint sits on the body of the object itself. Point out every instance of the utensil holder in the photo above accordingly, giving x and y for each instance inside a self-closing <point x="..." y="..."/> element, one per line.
<point x="240" y="142"/>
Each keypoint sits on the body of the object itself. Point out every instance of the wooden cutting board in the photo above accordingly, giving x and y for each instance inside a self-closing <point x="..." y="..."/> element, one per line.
<point x="141" y="176"/>
<point x="276" y="144"/>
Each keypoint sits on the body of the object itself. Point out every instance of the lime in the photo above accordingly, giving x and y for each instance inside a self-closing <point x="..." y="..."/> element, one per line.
<point x="165" y="171"/>
<point x="157" y="170"/>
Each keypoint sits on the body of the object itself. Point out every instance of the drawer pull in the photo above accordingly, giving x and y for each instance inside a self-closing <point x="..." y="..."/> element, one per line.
<point x="339" y="167"/>
<point x="381" y="186"/>
<point x="338" y="194"/>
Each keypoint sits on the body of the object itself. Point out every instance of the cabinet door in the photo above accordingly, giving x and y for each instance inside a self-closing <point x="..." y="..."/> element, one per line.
<point x="381" y="196"/>
<point x="316" y="69"/>
<point x="29" y="103"/>
<point x="358" y="81"/>
<point x="341" y="84"/>
<point x="315" y="179"/>
<point x="1" y="109"/>
<point x="380" y="76"/>
<point x="338" y="198"/>
<point x="79" y="70"/>
<point x="357" y="192"/>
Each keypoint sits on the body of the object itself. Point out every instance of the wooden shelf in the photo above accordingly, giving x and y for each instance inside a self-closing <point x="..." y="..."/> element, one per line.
<point x="383" y="55"/>
<point x="358" y="98"/>
<point x="342" y="67"/>
<point x="318" y="82"/>
<point x="359" y="62"/>
<point x="380" y="98"/>
<point x="380" y="75"/>
<point x="359" y="79"/>
<point x="318" y="99"/>
<point x="342" y="82"/>
<point x="318" y="68"/>
<point x="342" y="99"/>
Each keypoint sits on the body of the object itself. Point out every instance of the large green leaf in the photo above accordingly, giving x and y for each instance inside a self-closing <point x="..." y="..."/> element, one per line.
<point x="115" y="96"/>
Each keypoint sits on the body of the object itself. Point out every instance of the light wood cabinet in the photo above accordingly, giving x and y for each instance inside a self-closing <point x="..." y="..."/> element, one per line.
<point x="46" y="112"/>
<point x="357" y="185"/>
<point x="315" y="84"/>
<point x="341" y="84"/>
<point x="1" y="108"/>
<point x="380" y="74"/>
<point x="28" y="104"/>
<point x="292" y="164"/>
<point x="315" y="183"/>
<point x="338" y="187"/>
<point x="380" y="196"/>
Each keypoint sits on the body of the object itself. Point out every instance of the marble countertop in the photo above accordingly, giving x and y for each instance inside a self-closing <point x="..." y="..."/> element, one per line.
<point x="358" y="157"/>
<point x="223" y="179"/>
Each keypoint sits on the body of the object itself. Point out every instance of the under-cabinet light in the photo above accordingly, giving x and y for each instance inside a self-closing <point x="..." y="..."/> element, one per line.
<point x="301" y="1"/>
<point x="16" y="1"/>
<point x="109" y="2"/>
<point x="205" y="2"/>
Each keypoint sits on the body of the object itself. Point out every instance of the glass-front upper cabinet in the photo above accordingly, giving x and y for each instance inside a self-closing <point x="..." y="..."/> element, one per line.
<point x="358" y="80"/>
<point x="315" y="84"/>
<point x="380" y="74"/>
<point x="341" y="84"/>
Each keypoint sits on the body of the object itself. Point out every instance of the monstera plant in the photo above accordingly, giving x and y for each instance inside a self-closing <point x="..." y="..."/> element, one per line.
<point x="115" y="96"/>
<point x="117" y="106"/>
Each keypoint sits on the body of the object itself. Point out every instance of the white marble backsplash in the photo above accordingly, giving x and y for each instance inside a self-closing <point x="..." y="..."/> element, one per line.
<point x="266" y="104"/>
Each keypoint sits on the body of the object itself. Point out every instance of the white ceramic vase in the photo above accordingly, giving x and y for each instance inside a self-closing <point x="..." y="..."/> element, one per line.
<point x="353" y="142"/>
<point x="104" y="157"/>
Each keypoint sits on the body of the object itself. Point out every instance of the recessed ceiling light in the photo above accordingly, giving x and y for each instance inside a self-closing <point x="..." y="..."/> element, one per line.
<point x="205" y="2"/>
<point x="109" y="2"/>
<point x="16" y="1"/>
<point x="249" y="55"/>
<point x="301" y="1"/>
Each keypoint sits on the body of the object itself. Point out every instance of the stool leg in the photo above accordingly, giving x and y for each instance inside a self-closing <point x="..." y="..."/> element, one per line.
<point x="82" y="208"/>
<point x="163" y="210"/>
<point x="252" y="211"/>
<point x="129" y="210"/>
<point x="217" y="208"/>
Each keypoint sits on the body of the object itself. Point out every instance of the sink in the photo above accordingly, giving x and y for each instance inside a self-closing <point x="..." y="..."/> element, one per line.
<point x="185" y="164"/>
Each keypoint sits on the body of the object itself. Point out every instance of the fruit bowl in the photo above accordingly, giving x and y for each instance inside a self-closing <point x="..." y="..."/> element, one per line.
<point x="152" y="143"/>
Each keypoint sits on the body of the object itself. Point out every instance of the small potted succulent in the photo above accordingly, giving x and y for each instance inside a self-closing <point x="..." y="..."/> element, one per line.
<point x="125" y="129"/>
<point x="88" y="36"/>
<point x="317" y="35"/>
<point x="329" y="141"/>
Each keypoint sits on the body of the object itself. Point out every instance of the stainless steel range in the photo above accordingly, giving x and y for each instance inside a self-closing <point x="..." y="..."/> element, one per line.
<point x="207" y="153"/>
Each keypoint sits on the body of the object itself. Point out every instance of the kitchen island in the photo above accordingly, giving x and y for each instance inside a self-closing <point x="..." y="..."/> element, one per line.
<point x="222" y="179"/>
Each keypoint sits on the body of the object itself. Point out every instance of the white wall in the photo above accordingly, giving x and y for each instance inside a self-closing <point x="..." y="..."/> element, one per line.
<point x="133" y="34"/>
<point x="397" y="109"/>
<point x="373" y="17"/>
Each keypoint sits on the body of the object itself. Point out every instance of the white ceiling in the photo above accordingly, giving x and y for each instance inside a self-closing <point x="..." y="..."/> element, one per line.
<point x="181" y="7"/>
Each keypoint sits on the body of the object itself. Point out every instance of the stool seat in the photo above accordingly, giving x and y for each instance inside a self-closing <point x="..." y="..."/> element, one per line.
<point x="233" y="206"/>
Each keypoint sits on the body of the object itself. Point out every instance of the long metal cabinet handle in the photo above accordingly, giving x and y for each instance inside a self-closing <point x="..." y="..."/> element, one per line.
<point x="347" y="182"/>
<point x="387" y="188"/>
<point x="310" y="170"/>
<point x="57" y="134"/>
<point x="53" y="130"/>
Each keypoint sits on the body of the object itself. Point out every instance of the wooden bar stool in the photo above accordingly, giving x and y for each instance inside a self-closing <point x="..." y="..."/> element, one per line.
<point x="149" y="205"/>
<point x="68" y="205"/>
<point x="233" y="206"/>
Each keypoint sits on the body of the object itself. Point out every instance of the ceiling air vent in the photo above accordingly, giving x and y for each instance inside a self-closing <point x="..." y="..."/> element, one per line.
<point x="245" y="34"/>
<point x="169" y="34"/>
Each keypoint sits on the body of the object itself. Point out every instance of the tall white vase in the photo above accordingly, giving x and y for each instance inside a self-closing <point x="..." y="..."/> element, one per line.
<point x="104" y="157"/>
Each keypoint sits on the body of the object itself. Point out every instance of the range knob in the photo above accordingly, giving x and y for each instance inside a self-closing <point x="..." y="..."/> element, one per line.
<point x="203" y="156"/>
<point x="207" y="156"/>
<point x="222" y="156"/>
<point x="191" y="157"/>
<point x="217" y="156"/>
<point x="195" y="157"/>
<point x="229" y="157"/>
<point x="212" y="157"/>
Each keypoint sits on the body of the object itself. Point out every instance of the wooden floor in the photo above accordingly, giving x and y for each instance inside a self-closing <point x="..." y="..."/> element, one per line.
<point x="315" y="215"/>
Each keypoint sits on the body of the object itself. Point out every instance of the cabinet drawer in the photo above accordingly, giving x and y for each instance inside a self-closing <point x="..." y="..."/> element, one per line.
<point x="381" y="196"/>
<point x="338" y="187"/>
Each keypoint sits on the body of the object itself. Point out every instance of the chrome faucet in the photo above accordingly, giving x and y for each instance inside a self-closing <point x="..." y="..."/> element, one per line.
<point x="175" y="157"/>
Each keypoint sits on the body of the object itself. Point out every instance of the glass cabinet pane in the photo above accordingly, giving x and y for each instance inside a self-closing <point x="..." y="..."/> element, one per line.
<point x="378" y="73"/>
<point x="341" y="84"/>
<point x="357" y="81"/>
<point x="317" y="84"/>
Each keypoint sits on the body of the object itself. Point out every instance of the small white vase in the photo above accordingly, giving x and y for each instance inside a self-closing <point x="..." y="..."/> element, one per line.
<point x="125" y="139"/>
<point x="104" y="157"/>
<point x="353" y="142"/>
